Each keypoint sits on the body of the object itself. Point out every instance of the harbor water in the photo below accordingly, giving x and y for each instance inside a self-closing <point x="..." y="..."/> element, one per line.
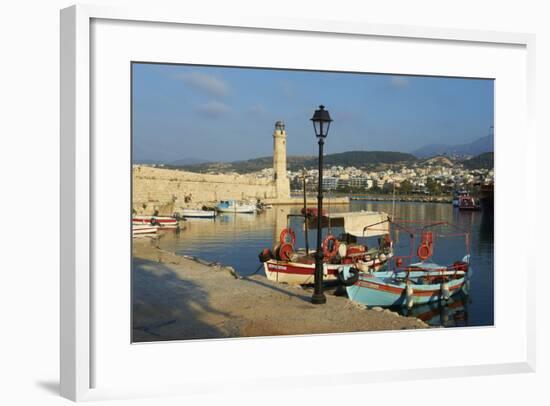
<point x="236" y="239"/>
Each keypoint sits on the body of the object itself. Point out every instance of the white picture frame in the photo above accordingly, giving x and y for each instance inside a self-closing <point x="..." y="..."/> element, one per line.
<point x="77" y="282"/>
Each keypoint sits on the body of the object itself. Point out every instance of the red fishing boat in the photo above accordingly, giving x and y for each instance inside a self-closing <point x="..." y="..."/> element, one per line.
<point x="286" y="264"/>
<point x="159" y="221"/>
<point x="467" y="202"/>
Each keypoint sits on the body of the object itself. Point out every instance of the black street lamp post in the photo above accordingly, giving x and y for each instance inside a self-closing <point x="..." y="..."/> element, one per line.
<point x="321" y="123"/>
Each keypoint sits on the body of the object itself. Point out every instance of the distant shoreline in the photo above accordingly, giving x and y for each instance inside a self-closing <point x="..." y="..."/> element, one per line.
<point x="447" y="199"/>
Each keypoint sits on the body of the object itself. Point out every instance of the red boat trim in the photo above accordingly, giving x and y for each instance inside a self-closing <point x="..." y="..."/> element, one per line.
<point x="399" y="291"/>
<point x="281" y="267"/>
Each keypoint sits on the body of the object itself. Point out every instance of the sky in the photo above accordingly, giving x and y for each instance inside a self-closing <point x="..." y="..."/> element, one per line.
<point x="227" y="114"/>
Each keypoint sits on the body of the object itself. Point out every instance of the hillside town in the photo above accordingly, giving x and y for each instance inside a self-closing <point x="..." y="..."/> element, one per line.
<point x="433" y="177"/>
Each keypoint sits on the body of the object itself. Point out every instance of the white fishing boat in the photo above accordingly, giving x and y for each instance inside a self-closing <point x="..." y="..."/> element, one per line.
<point x="196" y="213"/>
<point x="233" y="206"/>
<point x="160" y="221"/>
<point x="143" y="230"/>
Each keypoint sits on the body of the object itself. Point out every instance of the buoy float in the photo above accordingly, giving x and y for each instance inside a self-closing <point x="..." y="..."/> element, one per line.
<point x="342" y="250"/>
<point x="287" y="232"/>
<point x="409" y="294"/>
<point x="445" y="291"/>
<point x="330" y="246"/>
<point x="285" y="252"/>
<point x="424" y="251"/>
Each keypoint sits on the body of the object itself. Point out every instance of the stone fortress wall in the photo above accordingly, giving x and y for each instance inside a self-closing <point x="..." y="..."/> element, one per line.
<point x="168" y="190"/>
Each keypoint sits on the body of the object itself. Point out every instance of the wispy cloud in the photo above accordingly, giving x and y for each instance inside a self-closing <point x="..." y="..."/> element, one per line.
<point x="257" y="109"/>
<point x="204" y="82"/>
<point x="399" y="81"/>
<point x="212" y="109"/>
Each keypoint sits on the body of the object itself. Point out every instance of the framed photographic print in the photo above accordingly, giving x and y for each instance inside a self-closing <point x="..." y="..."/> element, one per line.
<point x="231" y="197"/>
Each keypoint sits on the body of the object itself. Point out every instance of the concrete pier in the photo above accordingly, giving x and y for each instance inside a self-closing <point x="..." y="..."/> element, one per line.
<point x="177" y="298"/>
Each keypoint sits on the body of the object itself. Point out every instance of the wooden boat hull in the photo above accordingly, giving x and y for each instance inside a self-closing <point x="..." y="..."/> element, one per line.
<point x="143" y="229"/>
<point x="198" y="214"/>
<point x="380" y="289"/>
<point x="237" y="209"/>
<point x="296" y="273"/>
<point x="162" y="222"/>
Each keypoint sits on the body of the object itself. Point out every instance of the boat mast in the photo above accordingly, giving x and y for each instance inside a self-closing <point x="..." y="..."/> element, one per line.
<point x="304" y="173"/>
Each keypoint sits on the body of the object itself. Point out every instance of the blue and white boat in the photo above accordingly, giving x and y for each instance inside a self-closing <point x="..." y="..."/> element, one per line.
<point x="404" y="283"/>
<point x="419" y="283"/>
<point x="233" y="206"/>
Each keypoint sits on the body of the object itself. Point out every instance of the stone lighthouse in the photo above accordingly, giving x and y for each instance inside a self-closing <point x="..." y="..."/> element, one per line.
<point x="282" y="184"/>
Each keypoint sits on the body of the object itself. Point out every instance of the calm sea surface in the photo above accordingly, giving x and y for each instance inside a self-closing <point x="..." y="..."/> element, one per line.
<point x="236" y="240"/>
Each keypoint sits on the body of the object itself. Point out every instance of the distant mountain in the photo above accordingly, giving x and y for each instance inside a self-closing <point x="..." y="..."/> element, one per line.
<point x="438" y="160"/>
<point x="481" y="161"/>
<point x="146" y="162"/>
<point x="479" y="146"/>
<point x="365" y="158"/>
<point x="350" y="158"/>
<point x="187" y="161"/>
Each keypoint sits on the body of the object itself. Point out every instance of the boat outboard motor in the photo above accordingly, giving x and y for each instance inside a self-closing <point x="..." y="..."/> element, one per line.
<point x="351" y="280"/>
<point x="265" y="255"/>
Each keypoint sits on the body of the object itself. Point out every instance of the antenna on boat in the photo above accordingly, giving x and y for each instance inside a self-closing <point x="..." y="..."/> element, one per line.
<point x="393" y="203"/>
<point x="304" y="174"/>
<point x="320" y="214"/>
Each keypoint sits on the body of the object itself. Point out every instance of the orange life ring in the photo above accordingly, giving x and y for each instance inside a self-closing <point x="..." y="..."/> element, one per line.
<point x="287" y="232"/>
<point x="328" y="250"/>
<point x="285" y="251"/>
<point x="424" y="251"/>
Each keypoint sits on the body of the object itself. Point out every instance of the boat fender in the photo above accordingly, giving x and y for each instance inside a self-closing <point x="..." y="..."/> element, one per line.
<point x="154" y="221"/>
<point x="265" y="255"/>
<point x="351" y="280"/>
<point x="285" y="252"/>
<point x="342" y="250"/>
<point x="398" y="262"/>
<point x="287" y="232"/>
<point x="445" y="291"/>
<point x="330" y="246"/>
<point x="410" y="295"/>
<point x="424" y="251"/>
<point x="382" y="257"/>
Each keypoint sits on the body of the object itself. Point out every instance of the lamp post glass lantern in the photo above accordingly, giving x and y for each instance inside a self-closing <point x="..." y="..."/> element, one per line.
<point x="321" y="124"/>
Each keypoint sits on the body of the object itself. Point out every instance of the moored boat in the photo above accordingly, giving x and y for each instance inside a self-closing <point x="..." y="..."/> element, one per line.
<point x="419" y="284"/>
<point x="456" y="196"/>
<point x="233" y="206"/>
<point x="407" y="283"/>
<point x="143" y="229"/>
<point x="198" y="213"/>
<point x="160" y="221"/>
<point x="285" y="264"/>
<point x="467" y="202"/>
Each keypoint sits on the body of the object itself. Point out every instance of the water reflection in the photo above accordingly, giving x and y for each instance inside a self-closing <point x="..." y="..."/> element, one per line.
<point x="236" y="240"/>
<point x="453" y="313"/>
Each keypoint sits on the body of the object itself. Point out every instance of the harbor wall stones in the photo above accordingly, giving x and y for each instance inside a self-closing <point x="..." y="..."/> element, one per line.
<point x="168" y="190"/>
